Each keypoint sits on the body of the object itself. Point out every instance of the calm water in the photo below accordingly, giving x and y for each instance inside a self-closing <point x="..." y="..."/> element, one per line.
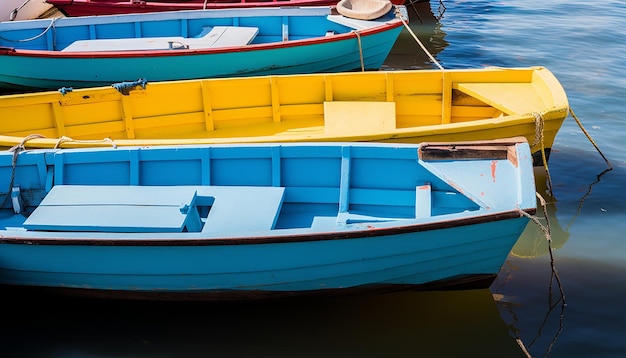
<point x="582" y="42"/>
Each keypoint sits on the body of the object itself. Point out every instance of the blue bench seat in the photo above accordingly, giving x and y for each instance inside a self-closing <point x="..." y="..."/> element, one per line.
<point x="237" y="209"/>
<point x="233" y="209"/>
<point x="218" y="36"/>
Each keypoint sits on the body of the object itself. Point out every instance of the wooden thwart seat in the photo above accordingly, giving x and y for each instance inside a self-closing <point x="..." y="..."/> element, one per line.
<point x="509" y="98"/>
<point x="359" y="117"/>
<point x="423" y="209"/>
<point x="233" y="209"/>
<point x="116" y="209"/>
<point x="241" y="208"/>
<point x="218" y="36"/>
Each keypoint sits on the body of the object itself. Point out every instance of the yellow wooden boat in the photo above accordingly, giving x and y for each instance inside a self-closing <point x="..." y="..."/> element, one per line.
<point x="409" y="106"/>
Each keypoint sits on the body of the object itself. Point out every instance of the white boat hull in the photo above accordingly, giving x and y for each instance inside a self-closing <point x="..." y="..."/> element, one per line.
<point x="11" y="10"/>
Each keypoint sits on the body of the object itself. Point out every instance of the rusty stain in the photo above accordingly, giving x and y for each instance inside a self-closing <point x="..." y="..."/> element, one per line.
<point x="493" y="170"/>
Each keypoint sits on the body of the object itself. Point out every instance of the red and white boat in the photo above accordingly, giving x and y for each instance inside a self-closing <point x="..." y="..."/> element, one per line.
<point x="23" y="9"/>
<point x="111" y="7"/>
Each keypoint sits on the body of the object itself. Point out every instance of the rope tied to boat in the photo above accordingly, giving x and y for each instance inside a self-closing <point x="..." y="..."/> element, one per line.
<point x="358" y="38"/>
<point x="65" y="90"/>
<point x="539" y="140"/>
<point x="590" y="139"/>
<point x="16" y="150"/>
<point x="555" y="275"/>
<point x="52" y="21"/>
<point x="65" y="139"/>
<point x="406" y="25"/>
<point x="125" y="87"/>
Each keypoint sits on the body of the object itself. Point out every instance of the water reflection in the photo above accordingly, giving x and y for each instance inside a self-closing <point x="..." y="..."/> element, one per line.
<point x="438" y="324"/>
<point x="533" y="241"/>
<point x="406" y="52"/>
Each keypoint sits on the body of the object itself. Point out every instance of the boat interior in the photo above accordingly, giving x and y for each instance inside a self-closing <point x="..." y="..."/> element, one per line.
<point x="144" y="189"/>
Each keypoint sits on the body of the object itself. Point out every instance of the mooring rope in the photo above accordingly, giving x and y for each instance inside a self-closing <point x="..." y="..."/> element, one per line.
<point x="539" y="140"/>
<point x="406" y="25"/>
<point x="358" y="38"/>
<point x="547" y="232"/>
<point x="589" y="137"/>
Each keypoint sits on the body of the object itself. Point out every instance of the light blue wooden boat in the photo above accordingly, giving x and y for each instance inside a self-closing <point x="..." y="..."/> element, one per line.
<point x="101" y="50"/>
<point x="262" y="220"/>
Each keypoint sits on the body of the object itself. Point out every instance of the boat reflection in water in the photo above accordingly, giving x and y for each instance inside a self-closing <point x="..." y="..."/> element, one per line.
<point x="533" y="241"/>
<point x="530" y="275"/>
<point x="435" y="324"/>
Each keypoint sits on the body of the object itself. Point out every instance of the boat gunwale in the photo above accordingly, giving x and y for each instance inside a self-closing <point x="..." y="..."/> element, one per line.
<point x="354" y="33"/>
<point x="370" y="231"/>
<point x="191" y="52"/>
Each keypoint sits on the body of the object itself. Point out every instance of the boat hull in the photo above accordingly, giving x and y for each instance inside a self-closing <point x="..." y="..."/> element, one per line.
<point x="214" y="272"/>
<point x="90" y="7"/>
<point x="264" y="220"/>
<point x="34" y="66"/>
<point x="395" y="106"/>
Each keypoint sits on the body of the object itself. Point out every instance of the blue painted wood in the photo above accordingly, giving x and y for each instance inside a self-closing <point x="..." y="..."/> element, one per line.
<point x="240" y="209"/>
<point x="423" y="201"/>
<point x="157" y="209"/>
<point x="30" y="60"/>
<point x="116" y="209"/>
<point x="218" y="36"/>
<point x="284" y="227"/>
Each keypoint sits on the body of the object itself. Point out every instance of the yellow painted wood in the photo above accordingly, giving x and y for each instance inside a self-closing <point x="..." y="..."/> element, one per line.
<point x="275" y="99"/>
<point x="346" y="119"/>
<point x="428" y="105"/>
<point x="208" y="109"/>
<point x="509" y="98"/>
<point x="58" y="119"/>
<point x="128" y="117"/>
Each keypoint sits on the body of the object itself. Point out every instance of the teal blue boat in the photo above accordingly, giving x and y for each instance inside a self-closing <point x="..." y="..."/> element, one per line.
<point x="262" y="220"/>
<point x="101" y="50"/>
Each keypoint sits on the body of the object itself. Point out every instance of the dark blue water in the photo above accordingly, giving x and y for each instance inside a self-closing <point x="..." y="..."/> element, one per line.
<point x="582" y="42"/>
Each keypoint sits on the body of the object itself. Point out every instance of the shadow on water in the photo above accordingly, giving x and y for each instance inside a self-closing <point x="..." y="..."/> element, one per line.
<point x="442" y="324"/>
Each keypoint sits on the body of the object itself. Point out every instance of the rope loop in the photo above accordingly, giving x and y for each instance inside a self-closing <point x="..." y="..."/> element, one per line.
<point x="538" y="129"/>
<point x="52" y="21"/>
<point x="16" y="151"/>
<point x="539" y="140"/>
<point x="22" y="145"/>
<point x="65" y="139"/>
